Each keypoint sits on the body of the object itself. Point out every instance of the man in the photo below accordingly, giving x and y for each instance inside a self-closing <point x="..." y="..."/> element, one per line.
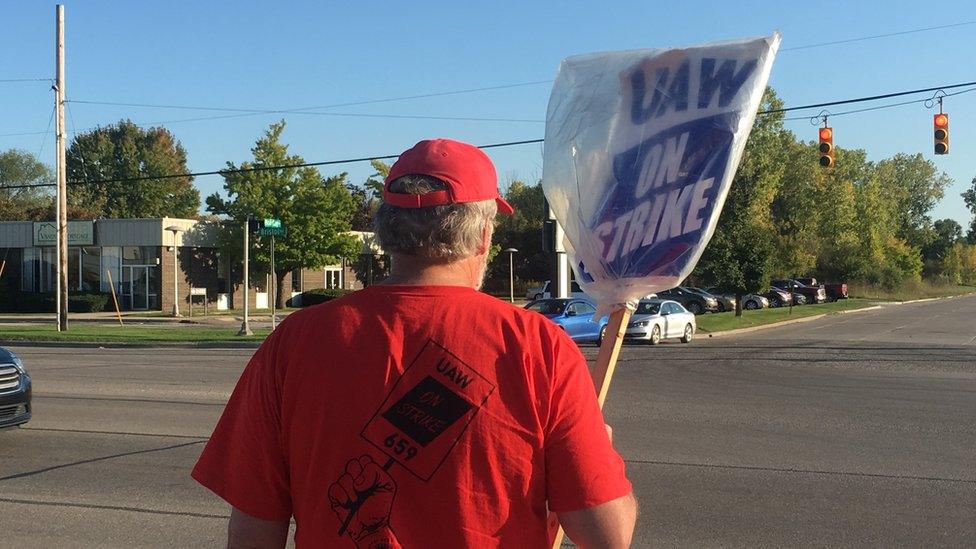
<point x="420" y="412"/>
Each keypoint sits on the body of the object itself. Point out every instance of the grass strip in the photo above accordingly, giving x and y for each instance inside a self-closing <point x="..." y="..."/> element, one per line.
<point x="720" y="322"/>
<point x="107" y="333"/>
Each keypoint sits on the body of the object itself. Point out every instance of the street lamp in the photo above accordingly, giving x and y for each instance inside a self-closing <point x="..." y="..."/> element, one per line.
<point x="511" y="273"/>
<point x="176" y="269"/>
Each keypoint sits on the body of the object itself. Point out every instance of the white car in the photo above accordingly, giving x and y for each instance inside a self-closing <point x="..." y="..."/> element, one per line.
<point x="543" y="292"/>
<point x="657" y="319"/>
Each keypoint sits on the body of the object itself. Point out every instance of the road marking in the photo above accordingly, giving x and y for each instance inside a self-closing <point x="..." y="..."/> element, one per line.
<point x="801" y="471"/>
<point x="124" y="433"/>
<point x="112" y="508"/>
<point x="93" y="460"/>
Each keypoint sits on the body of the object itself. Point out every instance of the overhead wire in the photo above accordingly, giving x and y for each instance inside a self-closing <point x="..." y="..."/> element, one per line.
<point x="303" y="110"/>
<point x="876" y="36"/>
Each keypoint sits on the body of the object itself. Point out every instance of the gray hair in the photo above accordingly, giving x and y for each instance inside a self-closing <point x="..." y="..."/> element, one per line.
<point x="442" y="234"/>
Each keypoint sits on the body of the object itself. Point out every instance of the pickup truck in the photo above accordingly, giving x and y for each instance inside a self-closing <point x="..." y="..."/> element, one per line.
<point x="835" y="290"/>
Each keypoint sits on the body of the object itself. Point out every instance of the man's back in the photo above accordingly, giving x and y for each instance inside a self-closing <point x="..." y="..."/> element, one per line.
<point x="435" y="415"/>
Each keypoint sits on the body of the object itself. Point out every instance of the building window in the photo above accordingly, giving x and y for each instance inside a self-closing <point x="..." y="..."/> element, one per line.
<point x="111" y="259"/>
<point x="333" y="278"/>
<point x="223" y="274"/>
<point x="38" y="270"/>
<point x="91" y="273"/>
<point x="74" y="269"/>
<point x="28" y="269"/>
<point x="296" y="281"/>
<point x="140" y="255"/>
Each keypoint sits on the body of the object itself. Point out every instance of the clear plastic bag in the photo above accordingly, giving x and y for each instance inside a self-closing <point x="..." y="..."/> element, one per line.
<point x="641" y="147"/>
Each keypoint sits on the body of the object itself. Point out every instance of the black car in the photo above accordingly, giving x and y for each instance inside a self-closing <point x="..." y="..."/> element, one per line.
<point x="696" y="303"/>
<point x="15" y="390"/>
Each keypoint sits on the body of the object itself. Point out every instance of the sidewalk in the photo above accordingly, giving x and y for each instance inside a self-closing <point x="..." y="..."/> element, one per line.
<point x="142" y="317"/>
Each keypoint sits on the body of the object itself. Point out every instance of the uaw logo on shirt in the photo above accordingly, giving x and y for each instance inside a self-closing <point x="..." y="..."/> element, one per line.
<point x="417" y="425"/>
<point x="428" y="410"/>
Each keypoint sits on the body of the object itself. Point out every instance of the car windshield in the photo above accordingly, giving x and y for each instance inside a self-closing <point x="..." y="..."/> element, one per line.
<point x="647" y="308"/>
<point x="547" y="306"/>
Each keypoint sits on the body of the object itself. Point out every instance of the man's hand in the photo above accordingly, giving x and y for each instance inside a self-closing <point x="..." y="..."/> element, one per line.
<point x="362" y="498"/>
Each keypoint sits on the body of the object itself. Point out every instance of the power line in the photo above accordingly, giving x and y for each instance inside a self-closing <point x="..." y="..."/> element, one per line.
<point x="508" y="143"/>
<point x="10" y="80"/>
<point x="318" y="107"/>
<point x="869" y="98"/>
<point x="879" y="107"/>
<point x="876" y="36"/>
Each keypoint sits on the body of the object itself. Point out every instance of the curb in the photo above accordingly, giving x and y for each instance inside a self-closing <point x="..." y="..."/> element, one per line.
<point x="134" y="345"/>
<point x="738" y="331"/>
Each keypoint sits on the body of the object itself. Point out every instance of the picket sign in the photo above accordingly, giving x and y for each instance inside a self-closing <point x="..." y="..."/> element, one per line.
<point x="641" y="147"/>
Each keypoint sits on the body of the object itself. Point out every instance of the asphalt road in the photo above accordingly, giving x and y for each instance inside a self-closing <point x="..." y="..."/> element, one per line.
<point x="853" y="430"/>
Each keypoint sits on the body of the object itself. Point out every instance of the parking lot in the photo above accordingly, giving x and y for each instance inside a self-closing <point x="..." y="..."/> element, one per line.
<point x="849" y="430"/>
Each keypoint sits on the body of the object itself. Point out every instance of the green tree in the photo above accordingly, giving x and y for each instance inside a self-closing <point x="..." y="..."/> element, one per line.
<point x="315" y="211"/>
<point x="523" y="231"/>
<point x="125" y="151"/>
<point x="917" y="186"/>
<point x="22" y="168"/>
<point x="969" y="196"/>
<point x="367" y="196"/>
<point x="739" y="256"/>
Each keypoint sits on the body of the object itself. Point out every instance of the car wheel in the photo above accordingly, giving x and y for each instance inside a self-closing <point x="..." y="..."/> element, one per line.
<point x="752" y="305"/>
<point x="655" y="335"/>
<point x="603" y="334"/>
<point x="689" y="334"/>
<point x="695" y="308"/>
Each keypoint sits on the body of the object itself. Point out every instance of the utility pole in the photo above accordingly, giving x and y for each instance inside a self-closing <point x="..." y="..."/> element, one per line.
<point x="245" y="326"/>
<point x="62" y="193"/>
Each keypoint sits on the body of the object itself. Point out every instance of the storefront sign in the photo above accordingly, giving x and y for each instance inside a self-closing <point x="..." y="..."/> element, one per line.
<point x="80" y="233"/>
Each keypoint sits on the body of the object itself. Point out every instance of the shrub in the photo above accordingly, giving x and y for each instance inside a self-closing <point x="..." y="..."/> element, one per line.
<point x="316" y="296"/>
<point x="87" y="302"/>
<point x="30" y="302"/>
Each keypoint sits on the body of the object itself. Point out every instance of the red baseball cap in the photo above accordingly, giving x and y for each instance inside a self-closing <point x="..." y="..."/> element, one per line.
<point x="468" y="172"/>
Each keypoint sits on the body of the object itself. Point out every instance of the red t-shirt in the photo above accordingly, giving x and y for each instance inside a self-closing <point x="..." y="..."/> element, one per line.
<point x="417" y="416"/>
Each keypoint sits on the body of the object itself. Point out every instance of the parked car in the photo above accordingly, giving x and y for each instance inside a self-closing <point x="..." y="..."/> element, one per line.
<point x="15" y="390"/>
<point x="573" y="315"/>
<point x="695" y="302"/>
<point x="813" y="294"/>
<point x="658" y="319"/>
<point x="726" y="302"/>
<point x="754" y="301"/>
<point x="543" y="291"/>
<point x="777" y="297"/>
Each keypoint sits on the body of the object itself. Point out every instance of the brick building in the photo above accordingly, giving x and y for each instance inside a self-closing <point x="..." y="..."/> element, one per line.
<point x="136" y="256"/>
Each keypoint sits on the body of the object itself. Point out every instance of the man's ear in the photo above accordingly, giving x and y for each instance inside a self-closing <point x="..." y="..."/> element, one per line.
<point x="486" y="232"/>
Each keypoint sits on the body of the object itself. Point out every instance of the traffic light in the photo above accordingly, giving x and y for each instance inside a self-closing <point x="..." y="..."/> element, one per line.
<point x="941" y="123"/>
<point x="826" y="147"/>
<point x="253" y="225"/>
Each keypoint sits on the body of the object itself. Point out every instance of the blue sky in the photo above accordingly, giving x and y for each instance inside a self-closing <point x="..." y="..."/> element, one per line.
<point x="285" y="55"/>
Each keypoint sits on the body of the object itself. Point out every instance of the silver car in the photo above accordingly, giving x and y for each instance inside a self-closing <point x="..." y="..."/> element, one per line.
<point x="658" y="319"/>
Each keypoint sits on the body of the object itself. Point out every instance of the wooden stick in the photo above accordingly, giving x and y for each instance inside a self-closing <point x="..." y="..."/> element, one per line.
<point x="111" y="286"/>
<point x="602" y="373"/>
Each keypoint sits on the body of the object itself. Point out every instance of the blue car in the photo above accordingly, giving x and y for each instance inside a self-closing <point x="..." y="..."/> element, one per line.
<point x="575" y="316"/>
<point x="15" y="390"/>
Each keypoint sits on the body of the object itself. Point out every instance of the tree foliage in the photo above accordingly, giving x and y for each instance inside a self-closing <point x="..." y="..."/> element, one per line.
<point x="97" y="158"/>
<point x="860" y="220"/>
<point x="316" y="211"/>
<point x="19" y="168"/>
